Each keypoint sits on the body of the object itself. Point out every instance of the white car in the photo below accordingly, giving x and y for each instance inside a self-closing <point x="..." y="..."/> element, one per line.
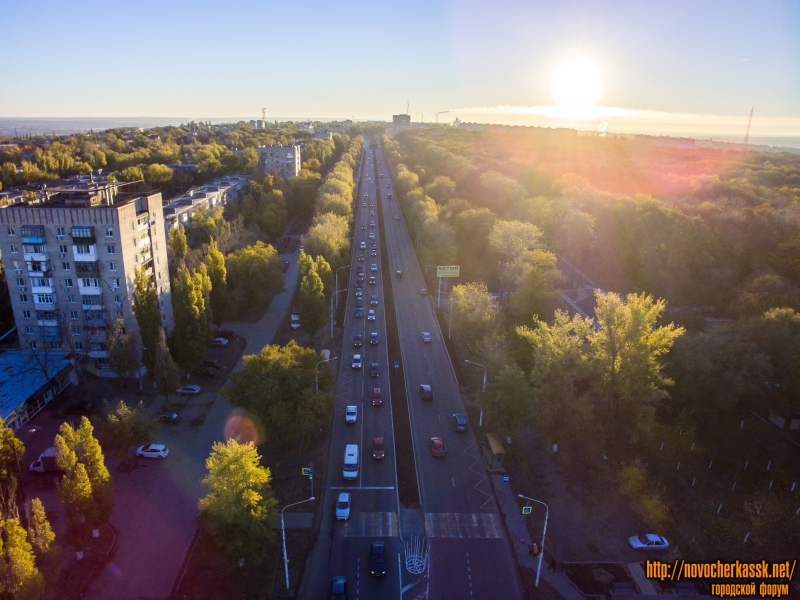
<point x="152" y="451"/>
<point x="356" y="361"/>
<point x="426" y="337"/>
<point x="371" y="315"/>
<point x="343" y="506"/>
<point x="373" y="268"/>
<point x="219" y="342"/>
<point x="295" y="323"/>
<point x="648" y="541"/>
<point x="363" y="245"/>
<point x="351" y="413"/>
<point x="188" y="390"/>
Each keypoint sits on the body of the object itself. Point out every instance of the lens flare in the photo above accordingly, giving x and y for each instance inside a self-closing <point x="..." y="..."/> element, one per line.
<point x="242" y="429"/>
<point x="577" y="83"/>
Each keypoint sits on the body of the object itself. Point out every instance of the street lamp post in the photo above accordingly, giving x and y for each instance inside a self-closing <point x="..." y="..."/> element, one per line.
<point x="337" y="282"/>
<point x="483" y="389"/>
<point x="544" y="530"/>
<point x="337" y="306"/>
<point x="316" y="373"/>
<point x="283" y="534"/>
<point x="450" y="320"/>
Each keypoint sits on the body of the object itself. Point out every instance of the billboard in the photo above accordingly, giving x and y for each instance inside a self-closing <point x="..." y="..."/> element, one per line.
<point x="451" y="271"/>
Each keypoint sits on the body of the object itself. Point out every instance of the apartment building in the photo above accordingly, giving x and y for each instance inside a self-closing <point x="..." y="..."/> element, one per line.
<point x="284" y="160"/>
<point x="70" y="263"/>
<point x="218" y="193"/>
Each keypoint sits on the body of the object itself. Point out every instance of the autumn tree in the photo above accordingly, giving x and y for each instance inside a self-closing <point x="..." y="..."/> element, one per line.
<point x="126" y="426"/>
<point x="11" y="493"/>
<point x="474" y="312"/>
<point x="254" y="277"/>
<point x="19" y="577"/>
<point x="148" y="316"/>
<point x="40" y="534"/>
<point x="166" y="371"/>
<point x="311" y="302"/>
<point x="217" y="273"/>
<point x="178" y="245"/>
<point x="124" y="350"/>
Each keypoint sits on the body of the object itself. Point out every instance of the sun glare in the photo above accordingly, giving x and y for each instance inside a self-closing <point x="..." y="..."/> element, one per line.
<point x="577" y="83"/>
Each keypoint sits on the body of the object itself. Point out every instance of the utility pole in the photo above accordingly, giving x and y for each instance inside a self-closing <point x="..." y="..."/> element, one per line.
<point x="747" y="131"/>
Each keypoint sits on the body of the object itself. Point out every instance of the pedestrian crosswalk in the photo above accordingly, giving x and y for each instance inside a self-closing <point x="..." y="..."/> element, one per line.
<point x="463" y="525"/>
<point x="370" y="524"/>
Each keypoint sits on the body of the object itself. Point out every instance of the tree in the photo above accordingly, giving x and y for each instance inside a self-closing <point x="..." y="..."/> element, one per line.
<point x="156" y="174"/>
<point x="507" y="401"/>
<point x="191" y="323"/>
<point x="20" y="578"/>
<point x="305" y="265"/>
<point x="240" y="506"/>
<point x="277" y="387"/>
<point x="311" y="303"/>
<point x="474" y="312"/>
<point x="178" y="245"/>
<point x="329" y="236"/>
<point x="124" y="350"/>
<point x="11" y="493"/>
<point x="127" y="426"/>
<point x="215" y="263"/>
<point x="323" y="269"/>
<point x="625" y="352"/>
<point x="536" y="292"/>
<point x="148" y="315"/>
<point x="166" y="371"/>
<point x="40" y="534"/>
<point x="254" y="277"/>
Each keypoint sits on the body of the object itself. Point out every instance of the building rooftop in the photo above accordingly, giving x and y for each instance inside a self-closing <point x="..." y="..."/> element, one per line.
<point x="21" y="376"/>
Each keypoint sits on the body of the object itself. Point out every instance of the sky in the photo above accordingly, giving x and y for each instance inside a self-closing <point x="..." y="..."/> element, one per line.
<point x="677" y="67"/>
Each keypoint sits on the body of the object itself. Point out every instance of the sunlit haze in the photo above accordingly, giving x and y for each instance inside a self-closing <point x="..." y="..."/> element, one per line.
<point x="577" y="83"/>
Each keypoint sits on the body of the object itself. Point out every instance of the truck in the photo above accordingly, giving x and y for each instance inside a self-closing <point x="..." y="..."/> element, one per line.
<point x="46" y="463"/>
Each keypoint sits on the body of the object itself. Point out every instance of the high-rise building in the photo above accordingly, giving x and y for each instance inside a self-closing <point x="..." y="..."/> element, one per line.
<point x="70" y="261"/>
<point x="284" y="160"/>
<point x="401" y="122"/>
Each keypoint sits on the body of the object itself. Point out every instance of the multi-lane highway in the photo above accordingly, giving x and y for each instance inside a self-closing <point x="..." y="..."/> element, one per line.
<point x="469" y="556"/>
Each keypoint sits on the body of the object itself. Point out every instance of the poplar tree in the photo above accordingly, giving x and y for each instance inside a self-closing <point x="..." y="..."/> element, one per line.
<point x="215" y="262"/>
<point x="21" y="579"/>
<point x="311" y="303"/>
<point x="178" y="245"/>
<point x="40" y="534"/>
<point x="148" y="315"/>
<point x="11" y="451"/>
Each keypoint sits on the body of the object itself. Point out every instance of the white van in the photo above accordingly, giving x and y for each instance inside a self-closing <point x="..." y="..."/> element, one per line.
<point x="350" y="471"/>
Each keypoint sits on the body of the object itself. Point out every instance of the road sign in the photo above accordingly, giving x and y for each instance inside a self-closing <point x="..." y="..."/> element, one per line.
<point x="526" y="510"/>
<point x="306" y="471"/>
<point x="505" y="478"/>
<point x="451" y="271"/>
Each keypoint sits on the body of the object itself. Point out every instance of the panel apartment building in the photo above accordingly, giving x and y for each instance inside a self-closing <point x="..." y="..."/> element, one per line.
<point x="70" y="261"/>
<point x="284" y="160"/>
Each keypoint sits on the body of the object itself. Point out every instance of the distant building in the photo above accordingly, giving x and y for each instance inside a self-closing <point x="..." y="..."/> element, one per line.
<point x="401" y="122"/>
<point x="70" y="260"/>
<point x="322" y="134"/>
<point x="284" y="160"/>
<point x="219" y="193"/>
<point x="24" y="390"/>
<point x="154" y="137"/>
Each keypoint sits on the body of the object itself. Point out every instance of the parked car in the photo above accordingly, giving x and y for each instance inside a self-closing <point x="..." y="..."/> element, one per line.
<point x="373" y="338"/>
<point x="378" y="449"/>
<point x="377" y="560"/>
<point x="205" y="372"/>
<point x="377" y="397"/>
<point x="375" y="370"/>
<point x="437" y="447"/>
<point x="169" y="417"/>
<point x="424" y="292"/>
<point x="188" y="390"/>
<point x="220" y="342"/>
<point x="356" y="361"/>
<point x="343" y="506"/>
<point x="295" y="322"/>
<point x="357" y="341"/>
<point x="648" y="541"/>
<point x="214" y="364"/>
<point x="152" y="451"/>
<point x="425" y="392"/>
<point x="459" y="422"/>
<point x="351" y="413"/>
<point x="426" y="337"/>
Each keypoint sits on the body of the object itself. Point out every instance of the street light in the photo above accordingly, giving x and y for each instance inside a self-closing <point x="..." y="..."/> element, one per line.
<point x="337" y="281"/>
<point x="337" y="306"/>
<point x="283" y="533"/>
<point x="483" y="389"/>
<point x="316" y="373"/>
<point x="544" y="530"/>
<point x="450" y="320"/>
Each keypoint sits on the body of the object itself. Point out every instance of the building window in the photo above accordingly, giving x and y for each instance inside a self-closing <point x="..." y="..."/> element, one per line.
<point x="73" y="314"/>
<point x="23" y="297"/>
<point x="65" y="266"/>
<point x="44" y="298"/>
<point x="78" y="345"/>
<point x="26" y="314"/>
<point x="112" y="266"/>
<point x="29" y="330"/>
<point x="82" y="249"/>
<point x="68" y="283"/>
<point x="93" y="282"/>
<point x="55" y="345"/>
<point x="16" y="265"/>
<point x="21" y="281"/>
<point x="14" y="249"/>
<point x="163" y="317"/>
<point x="10" y="231"/>
<point x="159" y="274"/>
<point x="119" y="315"/>
<point x="133" y="226"/>
<point x="111" y="249"/>
<point x="33" y="345"/>
<point x="62" y="248"/>
<point x="156" y="245"/>
<point x="117" y="299"/>
<point x="70" y="298"/>
<point x="136" y="258"/>
<point x="109" y="232"/>
<point x="60" y="231"/>
<point x="158" y="261"/>
<point x="115" y="283"/>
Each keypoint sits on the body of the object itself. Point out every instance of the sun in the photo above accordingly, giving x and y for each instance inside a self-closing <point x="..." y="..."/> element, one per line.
<point x="577" y="83"/>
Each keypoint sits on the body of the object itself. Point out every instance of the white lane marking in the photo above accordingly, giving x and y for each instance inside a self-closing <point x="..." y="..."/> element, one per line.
<point x="362" y="487"/>
<point x="454" y="481"/>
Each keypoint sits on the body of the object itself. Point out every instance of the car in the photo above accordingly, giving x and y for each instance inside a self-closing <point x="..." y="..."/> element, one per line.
<point x="363" y="227"/>
<point x="357" y="340"/>
<point x="459" y="422"/>
<point x="399" y="274"/>
<point x="426" y="337"/>
<point x="366" y="194"/>
<point x="390" y="197"/>
<point x="152" y="451"/>
<point x="295" y="321"/>
<point x="359" y="291"/>
<point x="360" y="280"/>
<point x="285" y="266"/>
<point x="437" y="447"/>
<point x="424" y="292"/>
<point x="339" y="588"/>
<point x="169" y="417"/>
<point x="188" y="390"/>
<point x="377" y="560"/>
<point x="360" y="258"/>
<point x="373" y="300"/>
<point x="371" y="315"/>
<point x="373" y="267"/>
<point x="648" y="541"/>
<point x="359" y="312"/>
<point x="359" y="269"/>
<point x="356" y="361"/>
<point x="220" y="342"/>
<point x="425" y="392"/>
<point x="360" y="301"/>
<point x="343" y="506"/>
<point x="375" y="370"/>
<point x="372" y="235"/>
<point x="205" y="372"/>
<point x="372" y="213"/>
<point x="374" y="252"/>
<point x="371" y="205"/>
<point x="372" y="280"/>
<point x="363" y="245"/>
<point x="397" y="217"/>
<point x="351" y="413"/>
<point x="377" y="397"/>
<point x="214" y="364"/>
<point x="302" y="248"/>
<point x="378" y="449"/>
<point x="373" y="339"/>
<point x="363" y="205"/>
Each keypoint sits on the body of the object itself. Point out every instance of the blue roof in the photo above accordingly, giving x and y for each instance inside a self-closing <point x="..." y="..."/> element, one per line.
<point x="21" y="376"/>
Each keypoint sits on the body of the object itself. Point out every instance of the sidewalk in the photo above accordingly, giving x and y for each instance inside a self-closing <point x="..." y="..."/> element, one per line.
<point x="521" y="539"/>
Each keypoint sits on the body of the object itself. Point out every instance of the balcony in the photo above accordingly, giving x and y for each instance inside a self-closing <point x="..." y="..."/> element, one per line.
<point x="143" y="222"/>
<point x="33" y="234"/>
<point x="42" y="285"/>
<point x="83" y="236"/>
<point x="38" y="268"/>
<point x="46" y="318"/>
<point x="91" y="302"/>
<point x="50" y="334"/>
<point x="146" y="254"/>
<point x="95" y="321"/>
<point x="44" y="301"/>
<point x="84" y="252"/>
<point x="87" y="267"/>
<point x="89" y="288"/>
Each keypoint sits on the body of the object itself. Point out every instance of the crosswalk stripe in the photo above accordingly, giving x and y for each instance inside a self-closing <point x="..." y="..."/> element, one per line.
<point x="462" y="525"/>
<point x="370" y="524"/>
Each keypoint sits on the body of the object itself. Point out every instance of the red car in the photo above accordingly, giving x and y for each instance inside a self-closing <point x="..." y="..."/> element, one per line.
<point x="437" y="447"/>
<point x="361" y="258"/>
<point x="378" y="449"/>
<point x="377" y="397"/>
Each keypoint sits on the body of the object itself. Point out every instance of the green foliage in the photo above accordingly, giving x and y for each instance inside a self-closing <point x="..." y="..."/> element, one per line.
<point x="127" y="426"/>
<point x="474" y="312"/>
<point x="645" y="500"/>
<point x="254" y="278"/>
<point x="19" y="577"/>
<point x="276" y="386"/>
<point x="325" y="273"/>
<point x="207" y="224"/>
<point x="148" y="316"/>
<point x="217" y="273"/>
<point x="507" y="404"/>
<point x="536" y="292"/>
<point x="165" y="373"/>
<point x="191" y="307"/>
<point x="311" y="303"/>
<point x="40" y="534"/>
<point x="328" y="237"/>
<point x="124" y="349"/>
<point x="11" y="452"/>
<point x="178" y="245"/>
<point x="240" y="505"/>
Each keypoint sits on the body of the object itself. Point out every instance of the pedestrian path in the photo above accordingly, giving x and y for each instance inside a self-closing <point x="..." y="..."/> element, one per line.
<point x="369" y="524"/>
<point x="463" y="525"/>
<point x="638" y="575"/>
